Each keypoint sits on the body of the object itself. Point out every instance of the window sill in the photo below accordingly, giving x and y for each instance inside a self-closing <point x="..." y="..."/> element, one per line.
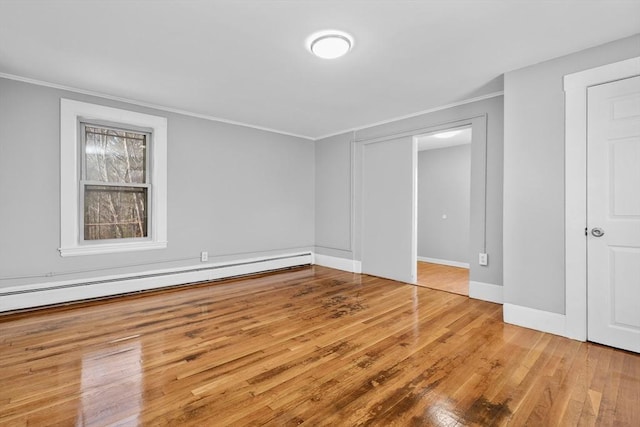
<point x="111" y="248"/>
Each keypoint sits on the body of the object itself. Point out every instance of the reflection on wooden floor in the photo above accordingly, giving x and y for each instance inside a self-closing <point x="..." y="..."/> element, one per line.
<point x="312" y="346"/>
<point x="443" y="277"/>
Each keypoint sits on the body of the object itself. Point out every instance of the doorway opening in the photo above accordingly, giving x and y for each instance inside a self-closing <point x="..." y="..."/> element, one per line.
<point x="444" y="209"/>
<point x="386" y="212"/>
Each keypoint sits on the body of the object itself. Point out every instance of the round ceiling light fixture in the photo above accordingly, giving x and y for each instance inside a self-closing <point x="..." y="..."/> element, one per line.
<point x="330" y="44"/>
<point x="447" y="134"/>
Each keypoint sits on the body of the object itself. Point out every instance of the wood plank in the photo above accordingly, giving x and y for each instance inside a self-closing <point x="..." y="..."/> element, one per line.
<point x="443" y="277"/>
<point x="314" y="346"/>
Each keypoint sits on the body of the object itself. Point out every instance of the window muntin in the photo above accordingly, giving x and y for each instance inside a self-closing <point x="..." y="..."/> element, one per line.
<point x="114" y="184"/>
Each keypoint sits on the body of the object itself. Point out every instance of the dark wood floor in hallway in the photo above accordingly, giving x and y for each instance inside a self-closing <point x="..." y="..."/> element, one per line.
<point x="312" y="346"/>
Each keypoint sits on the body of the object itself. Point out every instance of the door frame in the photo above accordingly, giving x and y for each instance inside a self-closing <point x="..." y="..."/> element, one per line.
<point x="478" y="123"/>
<point x="416" y="139"/>
<point x="575" y="88"/>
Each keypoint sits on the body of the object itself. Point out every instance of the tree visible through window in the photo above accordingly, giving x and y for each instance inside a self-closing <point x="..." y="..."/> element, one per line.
<point x="115" y="184"/>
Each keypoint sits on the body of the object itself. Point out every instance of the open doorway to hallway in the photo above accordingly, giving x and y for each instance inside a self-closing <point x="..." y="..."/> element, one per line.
<point x="443" y="218"/>
<point x="443" y="277"/>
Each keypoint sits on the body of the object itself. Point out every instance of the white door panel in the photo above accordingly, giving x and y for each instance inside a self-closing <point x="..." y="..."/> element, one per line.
<point x="613" y="205"/>
<point x="624" y="264"/>
<point x="388" y="209"/>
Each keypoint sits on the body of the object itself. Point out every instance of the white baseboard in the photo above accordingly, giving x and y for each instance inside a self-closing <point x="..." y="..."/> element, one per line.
<point x="444" y="262"/>
<point x="532" y="318"/>
<point x="343" y="264"/>
<point x="357" y="267"/>
<point x="486" y="292"/>
<point x="36" y="295"/>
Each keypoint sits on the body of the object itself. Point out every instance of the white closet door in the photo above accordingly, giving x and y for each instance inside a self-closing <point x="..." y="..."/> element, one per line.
<point x="388" y="209"/>
<point x="613" y="214"/>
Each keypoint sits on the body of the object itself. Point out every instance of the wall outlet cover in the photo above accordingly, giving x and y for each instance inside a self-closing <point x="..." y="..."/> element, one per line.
<point x="483" y="259"/>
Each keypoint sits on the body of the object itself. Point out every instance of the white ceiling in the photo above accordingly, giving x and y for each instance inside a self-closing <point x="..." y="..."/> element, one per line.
<point x="245" y="61"/>
<point x="431" y="142"/>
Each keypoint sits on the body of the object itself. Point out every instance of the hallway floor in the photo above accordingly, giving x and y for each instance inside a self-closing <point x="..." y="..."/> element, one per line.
<point x="443" y="278"/>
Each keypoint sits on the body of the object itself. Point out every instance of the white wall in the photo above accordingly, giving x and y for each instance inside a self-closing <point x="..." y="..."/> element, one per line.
<point x="333" y="196"/>
<point x="233" y="191"/>
<point x="341" y="218"/>
<point x="444" y="188"/>
<point x="534" y="268"/>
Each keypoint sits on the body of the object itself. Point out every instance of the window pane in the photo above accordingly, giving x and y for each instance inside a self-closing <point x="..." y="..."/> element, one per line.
<point x="114" y="212"/>
<point x="115" y="155"/>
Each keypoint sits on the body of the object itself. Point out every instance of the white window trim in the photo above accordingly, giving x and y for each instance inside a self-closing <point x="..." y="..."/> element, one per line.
<point x="70" y="113"/>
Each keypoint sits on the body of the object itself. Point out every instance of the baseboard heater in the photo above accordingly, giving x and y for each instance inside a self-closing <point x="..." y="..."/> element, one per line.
<point x="37" y="295"/>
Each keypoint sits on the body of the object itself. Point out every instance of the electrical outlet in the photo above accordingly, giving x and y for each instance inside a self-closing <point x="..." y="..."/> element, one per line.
<point x="204" y="256"/>
<point x="483" y="259"/>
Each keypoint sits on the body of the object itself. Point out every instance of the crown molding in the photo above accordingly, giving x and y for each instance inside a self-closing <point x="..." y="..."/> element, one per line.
<point x="238" y="123"/>
<point x="419" y="113"/>
<point x="148" y="105"/>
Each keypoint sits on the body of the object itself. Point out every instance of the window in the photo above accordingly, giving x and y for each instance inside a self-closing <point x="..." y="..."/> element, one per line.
<point x="114" y="187"/>
<point x="113" y="180"/>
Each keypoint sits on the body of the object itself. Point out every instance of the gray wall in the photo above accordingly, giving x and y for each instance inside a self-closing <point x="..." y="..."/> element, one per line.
<point x="333" y="183"/>
<point x="534" y="174"/>
<point x="343" y="211"/>
<point x="444" y="187"/>
<point x="233" y="191"/>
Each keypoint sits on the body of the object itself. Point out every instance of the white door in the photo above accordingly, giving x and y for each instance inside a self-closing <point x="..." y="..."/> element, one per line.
<point x="388" y="209"/>
<point x="613" y="214"/>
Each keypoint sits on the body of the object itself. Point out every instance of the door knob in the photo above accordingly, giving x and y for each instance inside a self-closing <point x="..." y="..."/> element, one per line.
<point x="597" y="232"/>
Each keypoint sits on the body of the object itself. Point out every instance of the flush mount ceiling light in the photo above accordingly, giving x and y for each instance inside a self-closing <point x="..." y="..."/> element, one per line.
<point x="447" y="134"/>
<point x="329" y="44"/>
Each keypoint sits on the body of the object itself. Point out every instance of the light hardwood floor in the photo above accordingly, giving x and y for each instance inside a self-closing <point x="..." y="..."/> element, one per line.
<point x="313" y="346"/>
<point x="443" y="277"/>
